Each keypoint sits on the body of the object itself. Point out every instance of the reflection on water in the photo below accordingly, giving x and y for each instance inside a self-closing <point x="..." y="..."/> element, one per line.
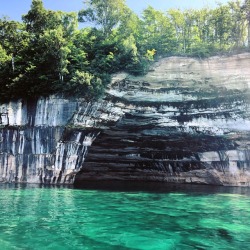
<point x="177" y="217"/>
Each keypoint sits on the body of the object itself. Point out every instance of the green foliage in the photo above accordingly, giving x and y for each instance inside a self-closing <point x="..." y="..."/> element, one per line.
<point x="84" y="84"/>
<point x="156" y="32"/>
<point x="4" y="57"/>
<point x="139" y="66"/>
<point x="47" y="53"/>
<point x="150" y="54"/>
<point x="106" y="14"/>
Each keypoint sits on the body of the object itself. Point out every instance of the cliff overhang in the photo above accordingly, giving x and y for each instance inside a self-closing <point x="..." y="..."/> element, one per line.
<point x="186" y="121"/>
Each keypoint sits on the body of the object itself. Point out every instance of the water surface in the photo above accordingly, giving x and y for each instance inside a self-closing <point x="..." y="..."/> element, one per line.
<point x="34" y="217"/>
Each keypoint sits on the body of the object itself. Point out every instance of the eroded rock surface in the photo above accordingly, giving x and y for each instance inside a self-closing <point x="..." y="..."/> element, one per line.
<point x="36" y="144"/>
<point x="186" y="121"/>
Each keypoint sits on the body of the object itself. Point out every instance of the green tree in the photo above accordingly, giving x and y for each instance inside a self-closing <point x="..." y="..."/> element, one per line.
<point x="178" y="21"/>
<point x="222" y="25"/>
<point x="47" y="53"/>
<point x="12" y="38"/>
<point x="157" y="32"/>
<point x="238" y="27"/>
<point x="246" y="10"/>
<point x="84" y="84"/>
<point x="4" y="57"/>
<point x="47" y="59"/>
<point x="105" y="14"/>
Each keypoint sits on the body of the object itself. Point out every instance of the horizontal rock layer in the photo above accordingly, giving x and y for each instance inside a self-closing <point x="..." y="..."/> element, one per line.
<point x="186" y="121"/>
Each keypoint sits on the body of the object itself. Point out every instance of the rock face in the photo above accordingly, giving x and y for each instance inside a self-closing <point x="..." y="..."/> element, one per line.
<point x="186" y="121"/>
<point x="36" y="146"/>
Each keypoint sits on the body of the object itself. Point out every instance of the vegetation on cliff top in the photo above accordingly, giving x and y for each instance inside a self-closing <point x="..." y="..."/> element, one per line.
<point x="46" y="53"/>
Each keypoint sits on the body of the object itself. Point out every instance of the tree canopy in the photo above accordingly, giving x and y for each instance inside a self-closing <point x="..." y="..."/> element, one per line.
<point x="46" y="53"/>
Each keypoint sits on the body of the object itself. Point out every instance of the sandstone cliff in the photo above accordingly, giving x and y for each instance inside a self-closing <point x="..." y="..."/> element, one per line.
<point x="186" y="121"/>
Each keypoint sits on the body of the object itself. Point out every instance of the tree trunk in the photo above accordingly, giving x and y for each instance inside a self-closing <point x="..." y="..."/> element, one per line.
<point x="13" y="63"/>
<point x="248" y="35"/>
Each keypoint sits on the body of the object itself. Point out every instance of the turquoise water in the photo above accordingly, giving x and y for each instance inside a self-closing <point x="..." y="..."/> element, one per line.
<point x="63" y="218"/>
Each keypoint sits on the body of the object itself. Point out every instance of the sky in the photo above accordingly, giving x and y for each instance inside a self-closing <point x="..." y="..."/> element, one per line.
<point x="14" y="9"/>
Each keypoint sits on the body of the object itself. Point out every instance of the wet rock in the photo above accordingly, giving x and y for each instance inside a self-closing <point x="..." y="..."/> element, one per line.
<point x="186" y="121"/>
<point x="36" y="146"/>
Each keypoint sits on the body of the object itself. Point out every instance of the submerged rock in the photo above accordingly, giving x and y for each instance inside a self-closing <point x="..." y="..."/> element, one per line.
<point x="186" y="121"/>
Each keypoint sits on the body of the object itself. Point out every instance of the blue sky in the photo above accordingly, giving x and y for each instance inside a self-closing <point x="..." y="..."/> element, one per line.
<point x="15" y="8"/>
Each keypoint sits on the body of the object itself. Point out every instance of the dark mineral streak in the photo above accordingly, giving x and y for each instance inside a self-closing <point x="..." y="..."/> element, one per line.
<point x="186" y="121"/>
